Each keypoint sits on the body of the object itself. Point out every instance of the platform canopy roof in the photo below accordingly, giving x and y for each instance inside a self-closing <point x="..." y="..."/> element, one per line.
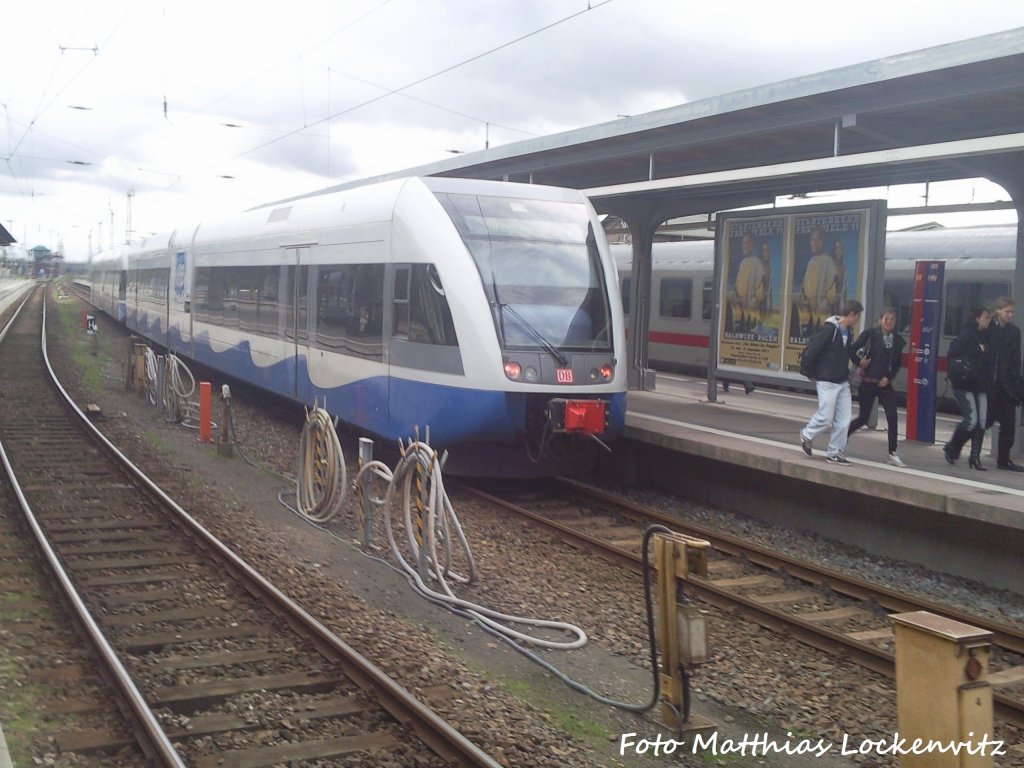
<point x="5" y="237"/>
<point x="953" y="111"/>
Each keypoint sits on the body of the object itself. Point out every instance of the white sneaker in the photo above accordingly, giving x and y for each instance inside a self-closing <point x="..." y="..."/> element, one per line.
<point x="896" y="461"/>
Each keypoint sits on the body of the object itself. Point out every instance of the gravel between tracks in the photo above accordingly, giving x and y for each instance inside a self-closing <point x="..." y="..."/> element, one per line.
<point x="758" y="681"/>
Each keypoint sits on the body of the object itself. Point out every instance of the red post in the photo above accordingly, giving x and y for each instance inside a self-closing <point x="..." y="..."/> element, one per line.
<point x="85" y="320"/>
<point x="205" y="409"/>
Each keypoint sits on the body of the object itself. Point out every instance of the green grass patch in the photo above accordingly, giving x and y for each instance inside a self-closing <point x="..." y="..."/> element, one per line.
<point x="65" y="319"/>
<point x="566" y="719"/>
<point x="20" y="712"/>
<point x="157" y="442"/>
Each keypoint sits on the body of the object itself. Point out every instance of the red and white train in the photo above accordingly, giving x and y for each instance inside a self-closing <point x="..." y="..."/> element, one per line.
<point x="979" y="268"/>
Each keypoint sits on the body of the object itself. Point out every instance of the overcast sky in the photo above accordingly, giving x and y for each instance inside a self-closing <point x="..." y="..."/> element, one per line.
<point x="268" y="100"/>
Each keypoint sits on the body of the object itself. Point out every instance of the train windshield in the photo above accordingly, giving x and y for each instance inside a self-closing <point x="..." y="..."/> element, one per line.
<point x="541" y="271"/>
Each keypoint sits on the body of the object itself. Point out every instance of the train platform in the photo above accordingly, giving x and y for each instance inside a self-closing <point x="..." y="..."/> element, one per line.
<point x="12" y="289"/>
<point x="743" y="452"/>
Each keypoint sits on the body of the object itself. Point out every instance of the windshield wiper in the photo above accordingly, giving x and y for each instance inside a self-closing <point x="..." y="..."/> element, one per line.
<point x="497" y="303"/>
<point x="534" y="334"/>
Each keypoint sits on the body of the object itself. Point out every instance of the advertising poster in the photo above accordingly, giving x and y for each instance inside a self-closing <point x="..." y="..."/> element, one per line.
<point x="752" y="308"/>
<point x="829" y="262"/>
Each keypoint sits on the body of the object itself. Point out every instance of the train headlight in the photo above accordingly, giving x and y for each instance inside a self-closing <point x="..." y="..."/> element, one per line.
<point x="513" y="370"/>
<point x="531" y="374"/>
<point x="605" y="372"/>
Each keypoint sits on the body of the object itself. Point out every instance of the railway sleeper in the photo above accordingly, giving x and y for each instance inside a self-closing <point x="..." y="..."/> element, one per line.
<point x="93" y="741"/>
<point x="173" y="615"/>
<point x="196" y="696"/>
<point x="793" y="598"/>
<point x="311" y="750"/>
<point x="206" y="725"/>
<point x="1007" y="677"/>
<point x="158" y="640"/>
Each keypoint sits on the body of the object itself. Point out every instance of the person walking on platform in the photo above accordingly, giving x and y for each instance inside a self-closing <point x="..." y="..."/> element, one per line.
<point x="826" y="362"/>
<point x="877" y="353"/>
<point x="969" y="368"/>
<point x="1007" y="385"/>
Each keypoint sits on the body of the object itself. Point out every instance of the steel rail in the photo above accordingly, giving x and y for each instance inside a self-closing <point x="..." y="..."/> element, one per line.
<point x="1004" y="635"/>
<point x="437" y="733"/>
<point x="810" y="633"/>
<point x="151" y="735"/>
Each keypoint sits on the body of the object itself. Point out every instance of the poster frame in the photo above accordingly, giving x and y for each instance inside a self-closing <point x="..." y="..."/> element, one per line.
<point x="750" y="356"/>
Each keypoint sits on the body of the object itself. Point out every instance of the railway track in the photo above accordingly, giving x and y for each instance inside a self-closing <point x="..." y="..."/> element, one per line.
<point x="819" y="606"/>
<point x="215" y="665"/>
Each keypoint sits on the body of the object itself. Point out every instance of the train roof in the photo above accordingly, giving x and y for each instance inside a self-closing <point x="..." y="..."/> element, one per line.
<point x="951" y="244"/>
<point x="685" y="253"/>
<point x="368" y="204"/>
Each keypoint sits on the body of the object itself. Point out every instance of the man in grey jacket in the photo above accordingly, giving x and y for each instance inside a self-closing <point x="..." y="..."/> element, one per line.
<point x="826" y="362"/>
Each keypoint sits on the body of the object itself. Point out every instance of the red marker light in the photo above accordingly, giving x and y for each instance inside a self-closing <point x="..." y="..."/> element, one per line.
<point x="513" y="370"/>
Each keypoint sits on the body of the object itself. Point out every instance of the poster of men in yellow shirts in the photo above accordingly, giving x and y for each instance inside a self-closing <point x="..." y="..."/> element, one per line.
<point x="828" y="259"/>
<point x="751" y="311"/>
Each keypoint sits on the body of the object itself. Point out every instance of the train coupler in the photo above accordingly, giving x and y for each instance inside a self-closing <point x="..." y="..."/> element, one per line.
<point x="577" y="417"/>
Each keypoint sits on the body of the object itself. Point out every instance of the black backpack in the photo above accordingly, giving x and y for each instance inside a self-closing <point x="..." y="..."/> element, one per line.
<point x="962" y="372"/>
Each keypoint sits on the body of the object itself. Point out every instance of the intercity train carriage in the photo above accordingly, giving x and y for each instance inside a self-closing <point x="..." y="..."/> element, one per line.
<point x="486" y="311"/>
<point x="979" y="267"/>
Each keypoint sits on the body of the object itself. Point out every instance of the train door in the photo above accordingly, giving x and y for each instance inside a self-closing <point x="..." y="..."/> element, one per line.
<point x="179" y="315"/>
<point x="346" y="340"/>
<point x="122" y="293"/>
<point x="297" y="319"/>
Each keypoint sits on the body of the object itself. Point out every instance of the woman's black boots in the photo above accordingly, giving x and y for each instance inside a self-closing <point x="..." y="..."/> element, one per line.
<point x="956" y="442"/>
<point x="977" y="438"/>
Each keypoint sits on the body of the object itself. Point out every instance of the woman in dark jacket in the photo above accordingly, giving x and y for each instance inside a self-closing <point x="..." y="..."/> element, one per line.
<point x="969" y="371"/>
<point x="878" y="353"/>
<point x="1006" y="390"/>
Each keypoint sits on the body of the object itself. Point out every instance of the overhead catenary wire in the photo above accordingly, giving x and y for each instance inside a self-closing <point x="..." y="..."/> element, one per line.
<point x="425" y="78"/>
<point x="44" y="105"/>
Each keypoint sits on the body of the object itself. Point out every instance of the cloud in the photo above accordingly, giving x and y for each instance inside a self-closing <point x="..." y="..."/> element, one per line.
<point x="401" y="81"/>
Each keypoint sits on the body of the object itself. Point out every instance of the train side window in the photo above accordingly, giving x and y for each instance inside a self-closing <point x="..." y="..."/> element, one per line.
<point x="706" y="299"/>
<point x="400" y="319"/>
<point x="675" y="298"/>
<point x="251" y="296"/>
<point x="295" y="287"/>
<point x="627" y="287"/>
<point x="421" y="311"/>
<point x="349" y="306"/>
<point x="899" y="295"/>
<point x="962" y="298"/>
<point x="210" y="290"/>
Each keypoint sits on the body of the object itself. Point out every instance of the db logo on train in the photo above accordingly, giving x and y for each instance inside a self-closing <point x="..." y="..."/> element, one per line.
<point x="563" y="375"/>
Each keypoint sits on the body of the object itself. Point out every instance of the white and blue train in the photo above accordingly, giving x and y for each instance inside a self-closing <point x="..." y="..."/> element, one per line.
<point x="488" y="311"/>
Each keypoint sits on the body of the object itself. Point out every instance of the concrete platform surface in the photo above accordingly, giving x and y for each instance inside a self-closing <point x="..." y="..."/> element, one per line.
<point x="761" y="431"/>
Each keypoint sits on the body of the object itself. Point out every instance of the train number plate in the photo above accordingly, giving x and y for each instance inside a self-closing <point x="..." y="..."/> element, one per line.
<point x="563" y="375"/>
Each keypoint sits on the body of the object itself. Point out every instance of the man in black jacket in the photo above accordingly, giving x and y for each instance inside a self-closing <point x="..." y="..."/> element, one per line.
<point x="878" y="354"/>
<point x="1007" y="385"/>
<point x="826" y="362"/>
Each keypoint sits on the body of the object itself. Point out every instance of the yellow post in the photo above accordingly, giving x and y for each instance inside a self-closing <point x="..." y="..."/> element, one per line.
<point x="943" y="696"/>
<point x="680" y="627"/>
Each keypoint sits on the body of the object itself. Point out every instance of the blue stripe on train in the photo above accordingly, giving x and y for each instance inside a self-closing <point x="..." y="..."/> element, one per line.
<point x="391" y="407"/>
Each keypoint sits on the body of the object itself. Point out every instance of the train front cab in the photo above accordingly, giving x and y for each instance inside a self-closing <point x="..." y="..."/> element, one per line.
<point x="536" y="294"/>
